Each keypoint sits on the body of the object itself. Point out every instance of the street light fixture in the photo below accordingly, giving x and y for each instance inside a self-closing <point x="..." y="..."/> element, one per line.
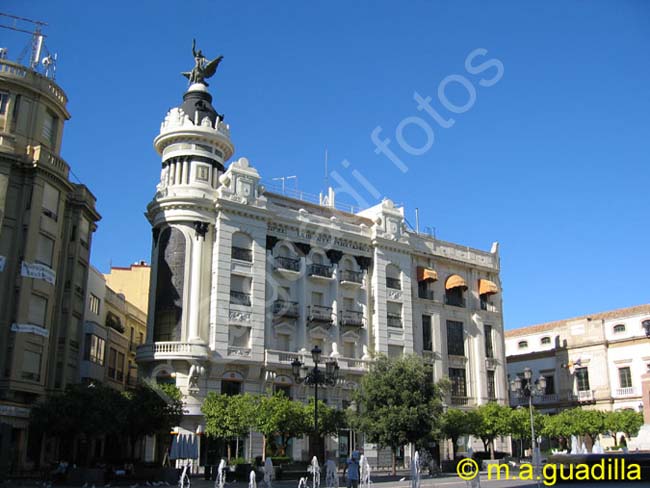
<point x="529" y="390"/>
<point x="316" y="377"/>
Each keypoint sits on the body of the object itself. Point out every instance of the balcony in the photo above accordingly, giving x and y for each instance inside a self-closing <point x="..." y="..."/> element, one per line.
<point x="351" y="278"/>
<point x="394" y="320"/>
<point x="352" y="318"/>
<point x="425" y="294"/>
<point x="455" y="301"/>
<point x="585" y="396"/>
<point x="488" y="306"/>
<point x="393" y="283"/>
<point x="353" y="363"/>
<point x="283" y="308"/>
<point x="280" y="358"/>
<point x="319" y="313"/>
<point x="319" y="271"/>
<point x="240" y="298"/>
<point x="172" y="350"/>
<point x="242" y="254"/>
<point x="287" y="264"/>
<point x="629" y="391"/>
<point x="460" y="401"/>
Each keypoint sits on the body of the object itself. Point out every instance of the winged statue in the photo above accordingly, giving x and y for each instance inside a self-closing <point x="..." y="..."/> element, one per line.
<point x="203" y="68"/>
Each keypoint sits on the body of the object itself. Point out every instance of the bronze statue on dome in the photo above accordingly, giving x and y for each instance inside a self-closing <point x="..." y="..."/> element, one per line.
<point x="202" y="68"/>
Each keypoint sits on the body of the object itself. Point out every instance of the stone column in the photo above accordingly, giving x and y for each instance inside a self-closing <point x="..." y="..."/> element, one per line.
<point x="195" y="282"/>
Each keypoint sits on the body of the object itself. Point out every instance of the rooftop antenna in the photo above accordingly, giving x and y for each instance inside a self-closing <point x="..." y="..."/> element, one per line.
<point x="327" y="179"/>
<point x="37" y="36"/>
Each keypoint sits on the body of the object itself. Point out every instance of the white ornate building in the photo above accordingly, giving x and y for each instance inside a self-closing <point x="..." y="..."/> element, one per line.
<point x="243" y="281"/>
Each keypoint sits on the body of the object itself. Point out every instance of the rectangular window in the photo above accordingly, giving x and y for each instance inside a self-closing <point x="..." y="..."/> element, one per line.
<point x="84" y="232"/>
<point x="94" y="350"/>
<point x="4" y="100"/>
<point x="316" y="298"/>
<point x="550" y="384"/>
<point x="425" y="290"/>
<point x="37" y="310"/>
<point x="491" y="386"/>
<point x="45" y="250"/>
<point x="427" y="341"/>
<point x="489" y="349"/>
<point x="50" y="201"/>
<point x="50" y="122"/>
<point x="112" y="363"/>
<point x="120" y="366"/>
<point x="230" y="388"/>
<point x="394" y="314"/>
<point x="455" y="338"/>
<point x="31" y="366"/>
<point x="625" y="377"/>
<point x="349" y="350"/>
<point x="94" y="304"/>
<point x="141" y="336"/>
<point x="458" y="382"/>
<point x="582" y="379"/>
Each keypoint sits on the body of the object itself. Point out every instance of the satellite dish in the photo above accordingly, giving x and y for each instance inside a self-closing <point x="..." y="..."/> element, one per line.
<point x="47" y="60"/>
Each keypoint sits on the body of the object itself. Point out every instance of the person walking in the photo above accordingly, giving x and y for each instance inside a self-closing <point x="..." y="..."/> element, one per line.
<point x="352" y="470"/>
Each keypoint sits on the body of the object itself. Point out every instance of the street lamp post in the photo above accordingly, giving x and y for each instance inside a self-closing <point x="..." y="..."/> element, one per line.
<point x="529" y="390"/>
<point x="316" y="377"/>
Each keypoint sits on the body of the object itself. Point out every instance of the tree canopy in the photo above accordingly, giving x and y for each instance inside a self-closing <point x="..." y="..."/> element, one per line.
<point x="399" y="403"/>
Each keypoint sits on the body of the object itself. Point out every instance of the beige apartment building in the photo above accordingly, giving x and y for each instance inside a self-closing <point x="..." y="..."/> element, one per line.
<point x="132" y="282"/>
<point x="46" y="228"/>
<point x="113" y="328"/>
<point x="595" y="361"/>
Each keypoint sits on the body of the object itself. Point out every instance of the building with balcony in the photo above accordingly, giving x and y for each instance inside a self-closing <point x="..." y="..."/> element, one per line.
<point x="244" y="280"/>
<point x="113" y="329"/>
<point x="46" y="228"/>
<point x="595" y="361"/>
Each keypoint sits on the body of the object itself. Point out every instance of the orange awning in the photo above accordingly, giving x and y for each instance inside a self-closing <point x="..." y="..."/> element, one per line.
<point x="455" y="281"/>
<point x="427" y="274"/>
<point x="486" y="287"/>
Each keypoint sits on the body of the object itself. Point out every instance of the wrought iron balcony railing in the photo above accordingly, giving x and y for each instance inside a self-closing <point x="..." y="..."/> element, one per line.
<point x="283" y="308"/>
<point x="290" y="264"/>
<point x="322" y="270"/>
<point x="240" y="298"/>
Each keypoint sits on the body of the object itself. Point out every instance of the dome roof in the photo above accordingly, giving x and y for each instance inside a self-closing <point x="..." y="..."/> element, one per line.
<point x="197" y="100"/>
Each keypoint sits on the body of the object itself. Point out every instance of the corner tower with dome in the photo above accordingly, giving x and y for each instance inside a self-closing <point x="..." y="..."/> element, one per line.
<point x="245" y="280"/>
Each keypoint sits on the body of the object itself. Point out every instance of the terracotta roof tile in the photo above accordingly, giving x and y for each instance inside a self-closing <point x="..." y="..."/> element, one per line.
<point x="611" y="314"/>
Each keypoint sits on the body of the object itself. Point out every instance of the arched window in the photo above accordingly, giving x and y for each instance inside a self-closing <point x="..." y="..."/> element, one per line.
<point x="522" y="344"/>
<point x="455" y="288"/>
<point x="619" y="328"/>
<point x="349" y="272"/>
<point x="546" y="340"/>
<point x="169" y="285"/>
<point x="393" y="277"/>
<point x="242" y="247"/>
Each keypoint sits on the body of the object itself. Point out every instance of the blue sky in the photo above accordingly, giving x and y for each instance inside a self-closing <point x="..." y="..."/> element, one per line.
<point x="551" y="160"/>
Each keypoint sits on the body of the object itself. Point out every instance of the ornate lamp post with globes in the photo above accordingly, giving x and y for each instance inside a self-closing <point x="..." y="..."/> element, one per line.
<point x="316" y="377"/>
<point x="529" y="390"/>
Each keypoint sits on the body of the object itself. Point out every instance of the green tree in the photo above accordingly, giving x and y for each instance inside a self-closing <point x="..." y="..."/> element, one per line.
<point x="627" y="421"/>
<point x="228" y="417"/>
<point x="281" y="416"/>
<point x="494" y="421"/>
<point x="456" y="423"/>
<point x="520" y="424"/>
<point x="399" y="403"/>
<point x="575" y="421"/>
<point x="163" y="408"/>
<point x="330" y="420"/>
